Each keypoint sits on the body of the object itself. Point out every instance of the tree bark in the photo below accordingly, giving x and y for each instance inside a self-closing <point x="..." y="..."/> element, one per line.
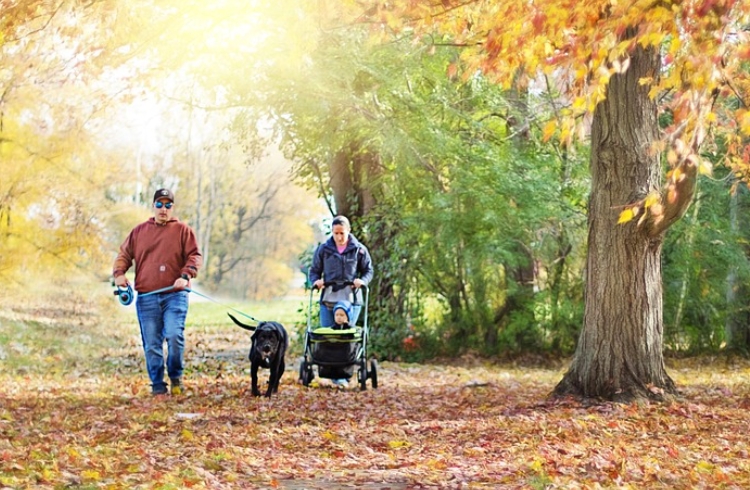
<point x="342" y="183"/>
<point x="619" y="352"/>
<point x="353" y="172"/>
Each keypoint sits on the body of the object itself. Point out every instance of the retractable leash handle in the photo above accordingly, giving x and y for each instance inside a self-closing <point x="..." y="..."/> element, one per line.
<point x="124" y="295"/>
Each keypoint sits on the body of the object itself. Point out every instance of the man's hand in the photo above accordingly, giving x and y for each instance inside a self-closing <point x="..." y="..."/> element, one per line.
<point x="121" y="281"/>
<point x="181" y="283"/>
<point x="319" y="284"/>
<point x="358" y="283"/>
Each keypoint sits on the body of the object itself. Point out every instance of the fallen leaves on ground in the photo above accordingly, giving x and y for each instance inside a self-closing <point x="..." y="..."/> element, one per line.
<point x="426" y="426"/>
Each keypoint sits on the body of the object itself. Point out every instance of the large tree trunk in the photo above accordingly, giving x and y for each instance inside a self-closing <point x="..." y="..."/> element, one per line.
<point x="619" y="353"/>
<point x="342" y="183"/>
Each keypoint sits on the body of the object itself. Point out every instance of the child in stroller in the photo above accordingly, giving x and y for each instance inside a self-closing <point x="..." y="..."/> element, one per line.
<point x="339" y="348"/>
<point x="341" y="312"/>
<point x="341" y="315"/>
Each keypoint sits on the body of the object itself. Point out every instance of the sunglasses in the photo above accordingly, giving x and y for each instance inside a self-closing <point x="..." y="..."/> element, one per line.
<point x="159" y="205"/>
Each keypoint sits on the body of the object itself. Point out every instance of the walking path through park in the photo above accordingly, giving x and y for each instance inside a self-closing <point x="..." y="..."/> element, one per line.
<point x="75" y="412"/>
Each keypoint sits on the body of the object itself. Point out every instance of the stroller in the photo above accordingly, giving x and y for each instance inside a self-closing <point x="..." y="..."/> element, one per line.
<point x="336" y="353"/>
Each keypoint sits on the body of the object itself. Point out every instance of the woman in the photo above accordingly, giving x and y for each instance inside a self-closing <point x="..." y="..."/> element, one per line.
<point x="341" y="258"/>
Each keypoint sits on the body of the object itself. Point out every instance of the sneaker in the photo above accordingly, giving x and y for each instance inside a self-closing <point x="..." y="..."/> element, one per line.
<point x="341" y="383"/>
<point x="159" y="391"/>
<point x="176" y="389"/>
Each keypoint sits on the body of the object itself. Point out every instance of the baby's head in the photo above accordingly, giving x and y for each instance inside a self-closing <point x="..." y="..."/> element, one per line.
<point x="341" y="313"/>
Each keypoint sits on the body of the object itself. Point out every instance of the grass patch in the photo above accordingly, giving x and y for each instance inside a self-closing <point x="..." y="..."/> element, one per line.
<point x="35" y="346"/>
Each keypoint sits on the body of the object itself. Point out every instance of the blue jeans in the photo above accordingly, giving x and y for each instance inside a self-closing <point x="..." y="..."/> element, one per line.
<point x="326" y="315"/>
<point x="162" y="317"/>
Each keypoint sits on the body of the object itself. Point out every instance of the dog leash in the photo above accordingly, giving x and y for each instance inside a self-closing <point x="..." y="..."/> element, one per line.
<point x="126" y="297"/>
<point x="221" y="304"/>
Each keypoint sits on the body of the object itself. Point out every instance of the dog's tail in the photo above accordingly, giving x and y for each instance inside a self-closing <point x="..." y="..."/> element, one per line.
<point x="240" y="324"/>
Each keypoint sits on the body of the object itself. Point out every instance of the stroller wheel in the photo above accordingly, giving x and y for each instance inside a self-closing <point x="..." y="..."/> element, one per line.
<point x="305" y="373"/>
<point x="374" y="373"/>
<point x="362" y="375"/>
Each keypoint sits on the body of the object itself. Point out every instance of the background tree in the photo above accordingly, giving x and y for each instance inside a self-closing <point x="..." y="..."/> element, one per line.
<point x="53" y="56"/>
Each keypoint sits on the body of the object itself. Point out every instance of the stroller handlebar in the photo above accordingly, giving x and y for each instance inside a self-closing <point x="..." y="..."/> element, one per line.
<point x="339" y="283"/>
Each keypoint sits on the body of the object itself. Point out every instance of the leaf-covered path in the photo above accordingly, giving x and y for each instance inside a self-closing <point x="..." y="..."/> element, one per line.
<point x="92" y="424"/>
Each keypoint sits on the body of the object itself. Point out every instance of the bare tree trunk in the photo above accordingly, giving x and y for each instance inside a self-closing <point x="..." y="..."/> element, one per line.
<point x="685" y="282"/>
<point x="619" y="353"/>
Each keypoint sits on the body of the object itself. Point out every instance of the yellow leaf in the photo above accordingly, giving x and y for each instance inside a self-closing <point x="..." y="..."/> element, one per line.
<point x="398" y="444"/>
<point x="625" y="216"/>
<point x="90" y="475"/>
<point x="705" y="167"/>
<point x="745" y="122"/>
<point x="549" y="130"/>
<point x="676" y="173"/>
<point x="537" y="465"/>
<point x="579" y="103"/>
<point x="651" y="199"/>
<point x="565" y="135"/>
<point x="187" y="435"/>
<point x="675" y="44"/>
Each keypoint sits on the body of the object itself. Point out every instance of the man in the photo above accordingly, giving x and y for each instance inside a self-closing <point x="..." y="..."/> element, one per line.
<point x="166" y="255"/>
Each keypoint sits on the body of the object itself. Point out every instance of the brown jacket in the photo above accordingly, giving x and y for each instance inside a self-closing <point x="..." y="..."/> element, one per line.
<point x="161" y="254"/>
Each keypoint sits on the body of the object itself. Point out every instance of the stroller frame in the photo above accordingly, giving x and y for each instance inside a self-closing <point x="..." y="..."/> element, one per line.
<point x="346" y="349"/>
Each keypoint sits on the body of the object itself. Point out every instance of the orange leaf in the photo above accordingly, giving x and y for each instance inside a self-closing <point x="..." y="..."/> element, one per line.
<point x="671" y="194"/>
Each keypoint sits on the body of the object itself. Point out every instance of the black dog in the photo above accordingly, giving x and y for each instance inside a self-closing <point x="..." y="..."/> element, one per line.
<point x="269" y="343"/>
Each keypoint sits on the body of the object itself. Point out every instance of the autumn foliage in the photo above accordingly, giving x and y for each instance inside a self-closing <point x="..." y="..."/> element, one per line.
<point x="703" y="88"/>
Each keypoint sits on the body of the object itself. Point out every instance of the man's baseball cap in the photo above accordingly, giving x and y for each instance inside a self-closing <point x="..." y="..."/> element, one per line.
<point x="163" y="194"/>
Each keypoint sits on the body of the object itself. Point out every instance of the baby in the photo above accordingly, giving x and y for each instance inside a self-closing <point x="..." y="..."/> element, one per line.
<point x="341" y="322"/>
<point x="341" y="315"/>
